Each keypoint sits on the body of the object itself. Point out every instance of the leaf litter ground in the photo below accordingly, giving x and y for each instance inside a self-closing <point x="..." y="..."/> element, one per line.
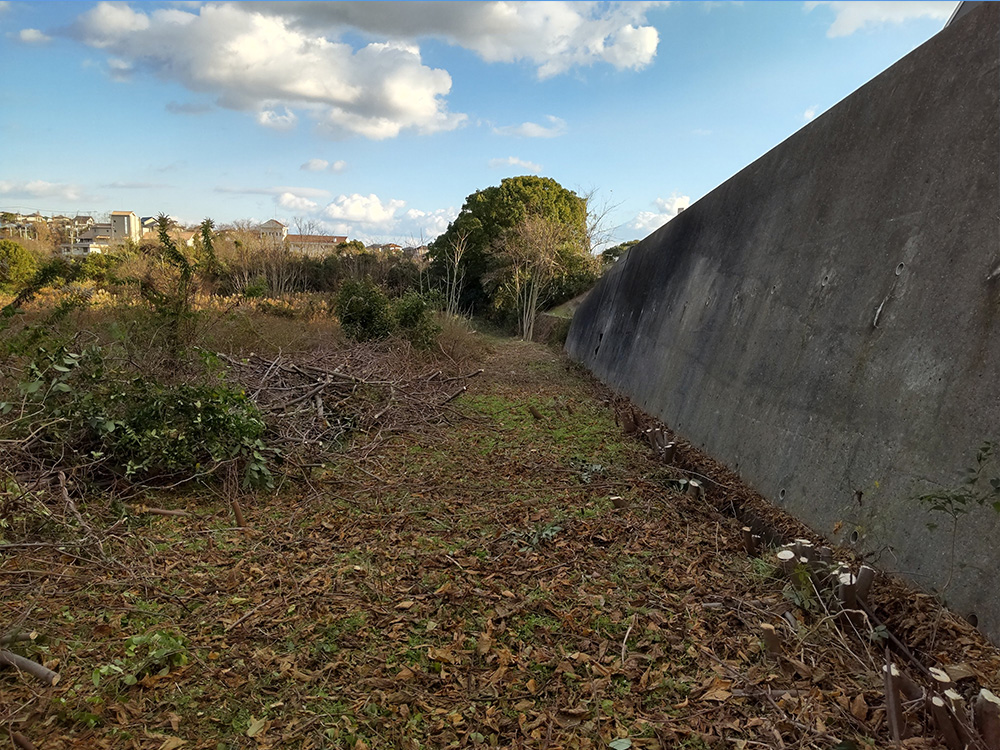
<point x="471" y="585"/>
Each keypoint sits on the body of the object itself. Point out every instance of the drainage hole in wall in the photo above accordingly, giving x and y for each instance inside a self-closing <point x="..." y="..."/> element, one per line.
<point x="973" y="619"/>
<point x="855" y="537"/>
<point x="781" y="495"/>
<point x="899" y="269"/>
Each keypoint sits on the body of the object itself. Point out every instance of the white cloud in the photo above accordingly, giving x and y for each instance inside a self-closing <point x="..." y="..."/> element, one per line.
<point x="306" y="192"/>
<point x="552" y="36"/>
<point x="4" y="6"/>
<point x="666" y="209"/>
<point x="266" y="65"/>
<point x="296" y="203"/>
<point x="856" y="16"/>
<point x="425" y="226"/>
<point x="363" y="209"/>
<point x="33" y="36"/>
<point x="810" y="113"/>
<point x="119" y="185"/>
<point x="556" y="127"/>
<point x="513" y="161"/>
<point x="120" y="70"/>
<point x="269" y="118"/>
<point x="42" y="189"/>
<point x="322" y="165"/>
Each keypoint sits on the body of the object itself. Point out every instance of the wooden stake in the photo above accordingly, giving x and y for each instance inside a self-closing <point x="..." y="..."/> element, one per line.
<point x="628" y="422"/>
<point x="945" y="723"/>
<point x="619" y="502"/>
<point x="987" y="712"/>
<point x="44" y="674"/>
<point x="866" y="576"/>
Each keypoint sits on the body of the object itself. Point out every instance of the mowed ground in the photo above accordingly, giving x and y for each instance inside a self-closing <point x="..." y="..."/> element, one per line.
<point x="471" y="586"/>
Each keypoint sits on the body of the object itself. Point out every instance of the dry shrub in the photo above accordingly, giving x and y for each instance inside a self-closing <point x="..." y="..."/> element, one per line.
<point x="460" y="342"/>
<point x="244" y="328"/>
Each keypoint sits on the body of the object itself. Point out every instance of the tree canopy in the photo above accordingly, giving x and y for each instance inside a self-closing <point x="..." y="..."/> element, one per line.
<point x="17" y="264"/>
<point x="490" y="213"/>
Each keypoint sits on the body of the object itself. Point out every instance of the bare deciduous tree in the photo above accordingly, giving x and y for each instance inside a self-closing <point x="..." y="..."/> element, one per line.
<point x="530" y="252"/>
<point x="454" y="270"/>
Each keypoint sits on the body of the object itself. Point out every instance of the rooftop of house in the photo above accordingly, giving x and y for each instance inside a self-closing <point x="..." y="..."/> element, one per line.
<point x="317" y="238"/>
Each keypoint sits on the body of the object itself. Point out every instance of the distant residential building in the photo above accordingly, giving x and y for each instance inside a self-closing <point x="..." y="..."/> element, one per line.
<point x="125" y="226"/>
<point x="314" y="244"/>
<point x="390" y="247"/>
<point x="148" y="225"/>
<point x="273" y="230"/>
<point x="96" y="238"/>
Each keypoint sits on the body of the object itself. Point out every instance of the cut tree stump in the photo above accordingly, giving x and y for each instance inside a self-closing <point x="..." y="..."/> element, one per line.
<point x="863" y="585"/>
<point x="749" y="543"/>
<point x="945" y="723"/>
<point x="987" y="710"/>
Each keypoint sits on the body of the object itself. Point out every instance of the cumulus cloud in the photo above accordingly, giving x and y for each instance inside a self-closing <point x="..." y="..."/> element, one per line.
<point x="555" y="127"/>
<point x="42" y="189"/>
<point x="33" y="36"/>
<point x="554" y="37"/>
<point x="427" y="225"/>
<point x="810" y="113"/>
<point x="513" y="161"/>
<point x="856" y="16"/>
<point x="665" y="210"/>
<point x="322" y="165"/>
<point x="270" y="66"/>
<point x="363" y="209"/>
<point x="272" y="119"/>
<point x="296" y="203"/>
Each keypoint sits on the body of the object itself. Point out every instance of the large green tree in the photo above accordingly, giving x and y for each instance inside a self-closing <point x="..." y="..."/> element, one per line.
<point x="484" y="220"/>
<point x="17" y="264"/>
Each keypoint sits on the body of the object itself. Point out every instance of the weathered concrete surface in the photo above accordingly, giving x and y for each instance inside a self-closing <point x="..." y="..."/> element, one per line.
<point x="828" y="320"/>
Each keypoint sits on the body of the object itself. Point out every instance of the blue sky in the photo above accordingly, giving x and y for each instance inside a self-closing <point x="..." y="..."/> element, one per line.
<point x="376" y="120"/>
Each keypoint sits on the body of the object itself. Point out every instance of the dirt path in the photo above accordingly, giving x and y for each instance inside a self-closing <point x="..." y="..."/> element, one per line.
<point x="473" y="587"/>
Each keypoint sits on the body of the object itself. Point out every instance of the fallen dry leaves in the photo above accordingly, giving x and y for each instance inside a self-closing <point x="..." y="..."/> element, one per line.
<point x="469" y="585"/>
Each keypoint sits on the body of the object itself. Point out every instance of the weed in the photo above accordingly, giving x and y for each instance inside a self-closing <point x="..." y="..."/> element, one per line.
<point x="145" y="654"/>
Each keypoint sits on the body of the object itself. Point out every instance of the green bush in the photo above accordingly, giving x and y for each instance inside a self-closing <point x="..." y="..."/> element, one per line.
<point x="364" y="311"/>
<point x="17" y="265"/>
<point x="413" y="316"/>
<point x="87" y="409"/>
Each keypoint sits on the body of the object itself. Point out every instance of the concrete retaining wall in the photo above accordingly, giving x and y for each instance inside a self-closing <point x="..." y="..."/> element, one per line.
<point x="828" y="320"/>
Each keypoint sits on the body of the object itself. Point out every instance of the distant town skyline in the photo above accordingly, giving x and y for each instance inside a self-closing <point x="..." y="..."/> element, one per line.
<point x="376" y="120"/>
